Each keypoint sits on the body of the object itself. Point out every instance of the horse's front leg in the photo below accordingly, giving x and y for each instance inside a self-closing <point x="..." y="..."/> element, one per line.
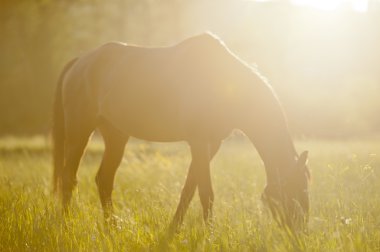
<point x="200" y="161"/>
<point x="206" y="193"/>
<point x="205" y="190"/>
<point x="186" y="196"/>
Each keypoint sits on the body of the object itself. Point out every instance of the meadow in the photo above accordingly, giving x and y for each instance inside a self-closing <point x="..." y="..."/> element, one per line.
<point x="345" y="200"/>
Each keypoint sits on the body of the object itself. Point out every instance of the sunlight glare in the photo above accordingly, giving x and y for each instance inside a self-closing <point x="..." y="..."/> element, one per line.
<point x="359" y="5"/>
<point x="325" y="5"/>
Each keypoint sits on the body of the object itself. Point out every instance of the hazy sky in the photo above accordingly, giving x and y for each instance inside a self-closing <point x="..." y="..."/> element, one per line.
<point x="331" y="5"/>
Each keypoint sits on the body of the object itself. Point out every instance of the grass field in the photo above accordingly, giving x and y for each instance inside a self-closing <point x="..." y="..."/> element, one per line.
<point x="345" y="200"/>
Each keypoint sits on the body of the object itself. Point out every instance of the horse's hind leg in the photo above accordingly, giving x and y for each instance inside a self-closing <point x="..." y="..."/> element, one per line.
<point x="76" y="139"/>
<point x="114" y="149"/>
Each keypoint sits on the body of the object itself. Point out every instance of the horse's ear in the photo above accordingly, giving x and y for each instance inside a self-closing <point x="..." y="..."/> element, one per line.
<point x="302" y="160"/>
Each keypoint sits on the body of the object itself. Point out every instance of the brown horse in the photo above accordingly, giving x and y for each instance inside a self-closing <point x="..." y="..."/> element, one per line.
<point x="196" y="91"/>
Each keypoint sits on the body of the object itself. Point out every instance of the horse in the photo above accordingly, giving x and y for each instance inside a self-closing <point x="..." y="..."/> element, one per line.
<point x="196" y="91"/>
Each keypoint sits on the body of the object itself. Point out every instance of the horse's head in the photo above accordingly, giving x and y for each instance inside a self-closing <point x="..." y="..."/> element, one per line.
<point x="288" y="199"/>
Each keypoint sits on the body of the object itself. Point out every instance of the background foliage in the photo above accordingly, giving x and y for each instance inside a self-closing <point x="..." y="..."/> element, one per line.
<point x="325" y="66"/>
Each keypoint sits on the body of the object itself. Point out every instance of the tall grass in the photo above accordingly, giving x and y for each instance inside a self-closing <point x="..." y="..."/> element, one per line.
<point x="345" y="200"/>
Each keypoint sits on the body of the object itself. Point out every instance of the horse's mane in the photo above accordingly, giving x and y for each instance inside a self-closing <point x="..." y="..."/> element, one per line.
<point x="210" y="38"/>
<point x="204" y="38"/>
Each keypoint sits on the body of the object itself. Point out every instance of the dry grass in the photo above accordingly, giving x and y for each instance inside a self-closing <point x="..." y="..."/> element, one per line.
<point x="344" y="193"/>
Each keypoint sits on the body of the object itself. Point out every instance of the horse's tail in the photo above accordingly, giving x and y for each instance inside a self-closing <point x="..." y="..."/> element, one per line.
<point x="58" y="131"/>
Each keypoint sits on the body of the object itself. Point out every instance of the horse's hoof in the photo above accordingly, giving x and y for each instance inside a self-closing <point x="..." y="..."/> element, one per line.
<point x="173" y="229"/>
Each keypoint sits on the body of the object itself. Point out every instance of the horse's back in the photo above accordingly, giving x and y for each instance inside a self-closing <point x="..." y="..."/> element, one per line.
<point x="158" y="93"/>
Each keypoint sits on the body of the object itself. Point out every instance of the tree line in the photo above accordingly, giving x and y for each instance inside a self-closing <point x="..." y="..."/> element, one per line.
<point x="325" y="67"/>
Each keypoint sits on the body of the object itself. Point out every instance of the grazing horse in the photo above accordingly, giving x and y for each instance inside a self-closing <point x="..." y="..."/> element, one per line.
<point x="196" y="91"/>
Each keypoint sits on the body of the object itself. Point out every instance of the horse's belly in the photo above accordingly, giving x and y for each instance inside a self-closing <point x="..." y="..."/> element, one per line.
<point x="159" y="112"/>
<point x="153" y="129"/>
<point x="144" y="120"/>
<point x="155" y="124"/>
<point x="169" y="130"/>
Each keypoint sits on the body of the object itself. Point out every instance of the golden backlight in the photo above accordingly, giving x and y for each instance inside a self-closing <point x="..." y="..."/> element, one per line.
<point x="321" y="56"/>
<point x="333" y="5"/>
<point x="175" y="79"/>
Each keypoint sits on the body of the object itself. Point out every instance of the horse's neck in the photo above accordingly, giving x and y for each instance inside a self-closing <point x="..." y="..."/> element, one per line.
<point x="268" y="131"/>
<point x="279" y="156"/>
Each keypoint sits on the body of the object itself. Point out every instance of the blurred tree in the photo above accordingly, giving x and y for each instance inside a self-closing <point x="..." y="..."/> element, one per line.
<point x="325" y="67"/>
